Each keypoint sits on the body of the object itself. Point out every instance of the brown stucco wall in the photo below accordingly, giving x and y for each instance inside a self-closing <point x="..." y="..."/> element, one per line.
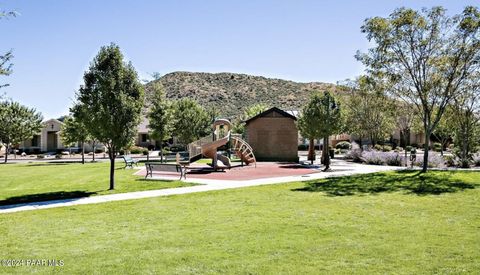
<point x="273" y="138"/>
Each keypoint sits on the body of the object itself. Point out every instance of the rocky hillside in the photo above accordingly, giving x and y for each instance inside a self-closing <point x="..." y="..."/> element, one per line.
<point x="230" y="93"/>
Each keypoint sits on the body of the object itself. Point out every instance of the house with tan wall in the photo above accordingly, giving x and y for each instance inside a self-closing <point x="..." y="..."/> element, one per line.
<point x="273" y="135"/>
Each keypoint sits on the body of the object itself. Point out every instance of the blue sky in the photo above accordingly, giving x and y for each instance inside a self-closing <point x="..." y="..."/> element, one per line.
<point x="54" y="41"/>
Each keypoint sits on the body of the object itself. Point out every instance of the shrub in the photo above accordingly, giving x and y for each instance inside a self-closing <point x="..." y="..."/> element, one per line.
<point x="434" y="161"/>
<point x="386" y="148"/>
<point x="437" y="147"/>
<point x="136" y="150"/>
<point x="302" y="147"/>
<point x="373" y="157"/>
<point x="145" y="152"/>
<point x="58" y="156"/>
<point x="394" y="159"/>
<point x="408" y="148"/>
<point x="451" y="161"/>
<point x="476" y="159"/>
<point x="377" y="147"/>
<point x="383" y="158"/>
<point x="41" y="156"/>
<point x="355" y="155"/>
<point x="343" y="145"/>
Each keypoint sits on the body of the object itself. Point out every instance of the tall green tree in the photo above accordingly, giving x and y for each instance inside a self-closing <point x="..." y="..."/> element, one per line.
<point x="111" y="100"/>
<point x="445" y="128"/>
<point x="309" y="124"/>
<point x="73" y="132"/>
<point x="407" y="120"/>
<point x="368" y="112"/>
<point x="426" y="56"/>
<point x="321" y="118"/>
<point x="17" y="123"/>
<point x="466" y="121"/>
<point x="191" y="121"/>
<point x="160" y="116"/>
<point x="331" y="123"/>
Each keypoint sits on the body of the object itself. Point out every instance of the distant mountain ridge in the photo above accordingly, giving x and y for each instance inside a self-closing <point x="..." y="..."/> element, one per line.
<point x="230" y="93"/>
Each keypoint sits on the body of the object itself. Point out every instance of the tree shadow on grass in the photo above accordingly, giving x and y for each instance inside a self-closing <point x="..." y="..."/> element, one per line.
<point x="46" y="197"/>
<point x="48" y="164"/>
<point x="411" y="182"/>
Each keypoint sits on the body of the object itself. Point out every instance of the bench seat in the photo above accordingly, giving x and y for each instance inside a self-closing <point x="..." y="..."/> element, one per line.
<point x="164" y="167"/>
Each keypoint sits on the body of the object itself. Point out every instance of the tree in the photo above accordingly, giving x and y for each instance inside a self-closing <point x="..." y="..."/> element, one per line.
<point x="160" y="116"/>
<point x="426" y="56"/>
<point x="321" y="117"/>
<point x="73" y="131"/>
<point x="444" y="130"/>
<point x="368" y="112"/>
<point x="5" y="65"/>
<point x="309" y="125"/>
<point x="191" y="121"/>
<point x="406" y="121"/>
<point x="17" y="123"/>
<point x="466" y="120"/>
<point x="331" y="123"/>
<point x="110" y="102"/>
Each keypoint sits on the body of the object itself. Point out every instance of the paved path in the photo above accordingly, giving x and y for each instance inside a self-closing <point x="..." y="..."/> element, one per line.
<point x="339" y="168"/>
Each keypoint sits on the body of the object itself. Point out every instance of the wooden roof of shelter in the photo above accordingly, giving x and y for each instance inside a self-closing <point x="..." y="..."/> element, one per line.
<point x="267" y="112"/>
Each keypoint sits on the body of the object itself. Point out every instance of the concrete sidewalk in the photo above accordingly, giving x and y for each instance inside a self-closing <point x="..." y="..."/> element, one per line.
<point x="339" y="168"/>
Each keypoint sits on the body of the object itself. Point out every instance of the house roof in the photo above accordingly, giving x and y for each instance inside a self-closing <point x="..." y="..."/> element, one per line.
<point x="274" y="109"/>
<point x="52" y="120"/>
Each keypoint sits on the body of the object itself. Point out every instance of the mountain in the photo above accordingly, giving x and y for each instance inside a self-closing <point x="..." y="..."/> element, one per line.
<point x="230" y="93"/>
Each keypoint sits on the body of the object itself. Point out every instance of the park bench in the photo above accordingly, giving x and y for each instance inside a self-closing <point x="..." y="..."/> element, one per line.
<point x="163" y="167"/>
<point x="129" y="161"/>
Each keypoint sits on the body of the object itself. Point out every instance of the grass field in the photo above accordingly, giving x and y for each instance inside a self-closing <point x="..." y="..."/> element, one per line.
<point x="41" y="181"/>
<point x="395" y="223"/>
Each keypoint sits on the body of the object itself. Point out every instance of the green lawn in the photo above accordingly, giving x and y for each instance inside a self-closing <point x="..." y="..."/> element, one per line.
<point x="394" y="223"/>
<point x="42" y="181"/>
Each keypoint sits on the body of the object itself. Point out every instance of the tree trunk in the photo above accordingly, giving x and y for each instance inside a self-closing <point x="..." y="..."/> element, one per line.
<point x="6" y="153"/>
<point x="373" y="141"/>
<point x="326" y="154"/>
<point x="93" y="145"/>
<point x="442" y="142"/>
<point x="161" y="152"/>
<point x="465" y="149"/>
<point x="425" y="153"/>
<point x="360" y="143"/>
<point x="402" y="138"/>
<point x="111" y="155"/>
<point x="311" y="150"/>
<point x="407" y="137"/>
<point x="83" y="152"/>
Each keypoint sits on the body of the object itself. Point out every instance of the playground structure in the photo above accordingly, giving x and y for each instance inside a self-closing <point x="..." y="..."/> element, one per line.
<point x="215" y="146"/>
